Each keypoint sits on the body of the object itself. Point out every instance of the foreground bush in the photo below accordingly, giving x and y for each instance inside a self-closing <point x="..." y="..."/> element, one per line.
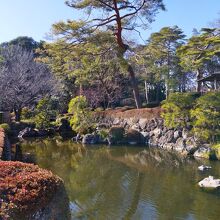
<point x="25" y="189"/>
<point x="6" y="127"/>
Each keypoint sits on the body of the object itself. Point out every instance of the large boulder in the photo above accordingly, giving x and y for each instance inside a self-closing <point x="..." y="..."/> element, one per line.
<point x="191" y="145"/>
<point x="161" y="141"/>
<point x="177" y="134"/>
<point x="155" y="142"/>
<point x="65" y="129"/>
<point x="185" y="133"/>
<point x="28" y="133"/>
<point x="203" y="152"/>
<point x="151" y="125"/>
<point x="29" y="192"/>
<point x="169" y="136"/>
<point x="91" y="139"/>
<point x="143" y="123"/>
<point x="157" y="132"/>
<point x="135" y="127"/>
<point x="169" y="146"/>
<point x="116" y="135"/>
<point x="180" y="145"/>
<point x="134" y="137"/>
<point x="210" y="182"/>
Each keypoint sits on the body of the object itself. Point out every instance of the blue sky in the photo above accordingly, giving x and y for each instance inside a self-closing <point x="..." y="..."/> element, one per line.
<point x="34" y="17"/>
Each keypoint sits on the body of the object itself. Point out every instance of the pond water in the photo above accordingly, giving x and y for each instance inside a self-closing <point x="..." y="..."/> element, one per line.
<point x="127" y="182"/>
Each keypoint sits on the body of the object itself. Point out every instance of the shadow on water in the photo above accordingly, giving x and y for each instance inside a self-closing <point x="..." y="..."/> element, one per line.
<point x="128" y="182"/>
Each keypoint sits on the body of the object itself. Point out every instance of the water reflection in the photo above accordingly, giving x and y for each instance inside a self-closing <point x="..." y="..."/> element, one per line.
<point x="128" y="183"/>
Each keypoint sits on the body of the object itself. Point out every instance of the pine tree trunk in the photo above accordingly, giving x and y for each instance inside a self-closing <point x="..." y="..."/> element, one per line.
<point x="134" y="87"/>
<point x="146" y="91"/>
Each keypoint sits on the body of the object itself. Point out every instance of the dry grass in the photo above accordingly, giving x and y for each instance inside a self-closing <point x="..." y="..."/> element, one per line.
<point x="146" y="113"/>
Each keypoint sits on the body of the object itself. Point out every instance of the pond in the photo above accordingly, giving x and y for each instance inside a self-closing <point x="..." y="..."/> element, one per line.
<point x="127" y="182"/>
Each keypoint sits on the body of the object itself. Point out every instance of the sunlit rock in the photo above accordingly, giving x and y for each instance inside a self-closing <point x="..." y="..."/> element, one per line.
<point x="209" y="182"/>
<point x="203" y="167"/>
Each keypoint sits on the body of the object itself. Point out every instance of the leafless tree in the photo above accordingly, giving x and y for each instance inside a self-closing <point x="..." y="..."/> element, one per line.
<point x="22" y="80"/>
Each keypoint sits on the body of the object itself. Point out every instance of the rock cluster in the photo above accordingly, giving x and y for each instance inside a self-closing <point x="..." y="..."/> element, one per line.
<point x="30" y="132"/>
<point x="155" y="134"/>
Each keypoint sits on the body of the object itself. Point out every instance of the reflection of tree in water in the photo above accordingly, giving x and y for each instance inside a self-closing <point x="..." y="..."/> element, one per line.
<point x="122" y="183"/>
<point x="170" y="182"/>
<point x="136" y="198"/>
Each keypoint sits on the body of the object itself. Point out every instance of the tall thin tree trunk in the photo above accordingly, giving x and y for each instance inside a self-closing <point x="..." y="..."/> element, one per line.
<point x="199" y="84"/>
<point x="17" y="114"/>
<point x="122" y="49"/>
<point x="80" y="89"/>
<point x="157" y="92"/>
<point x="134" y="87"/>
<point x="146" y="91"/>
<point x="167" y="89"/>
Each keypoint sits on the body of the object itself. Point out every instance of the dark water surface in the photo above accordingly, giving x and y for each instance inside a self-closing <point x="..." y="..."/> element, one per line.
<point x="128" y="182"/>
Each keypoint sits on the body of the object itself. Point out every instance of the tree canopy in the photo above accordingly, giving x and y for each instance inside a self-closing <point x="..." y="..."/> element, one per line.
<point x="199" y="51"/>
<point x="107" y="18"/>
<point x="23" y="81"/>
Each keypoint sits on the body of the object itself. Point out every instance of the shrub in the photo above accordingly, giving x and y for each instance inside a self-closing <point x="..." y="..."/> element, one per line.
<point x="103" y="133"/>
<point x="216" y="149"/>
<point x="206" y="117"/>
<point x="82" y="120"/>
<point x="176" y="109"/>
<point x="6" y="127"/>
<point x="44" y="113"/>
<point x="25" y="188"/>
<point x="26" y="113"/>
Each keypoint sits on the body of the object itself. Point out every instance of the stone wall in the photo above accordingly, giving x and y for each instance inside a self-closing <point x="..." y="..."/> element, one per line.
<point x="156" y="134"/>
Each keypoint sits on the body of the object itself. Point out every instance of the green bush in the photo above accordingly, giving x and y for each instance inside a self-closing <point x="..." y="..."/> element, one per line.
<point x="206" y="117"/>
<point x="176" y="109"/>
<point x="216" y="149"/>
<point x="82" y="121"/>
<point x="44" y="113"/>
<point x="6" y="127"/>
<point x="26" y="113"/>
<point x="103" y="133"/>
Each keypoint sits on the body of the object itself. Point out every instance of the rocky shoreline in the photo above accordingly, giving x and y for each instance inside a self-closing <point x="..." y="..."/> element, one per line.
<point x="151" y="133"/>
